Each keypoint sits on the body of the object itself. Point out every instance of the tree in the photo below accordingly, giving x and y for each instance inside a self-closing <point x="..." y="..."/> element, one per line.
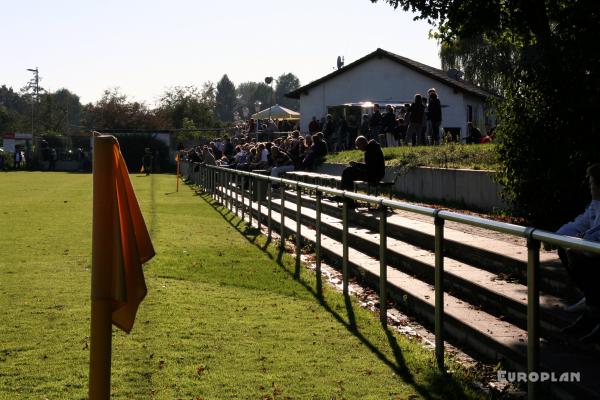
<point x="189" y="102"/>
<point x="287" y="83"/>
<point x="15" y="111"/>
<point x="249" y="92"/>
<point x="482" y="61"/>
<point x="225" y="99"/>
<point x="114" y="111"/>
<point x="549" y="130"/>
<point x="59" y="111"/>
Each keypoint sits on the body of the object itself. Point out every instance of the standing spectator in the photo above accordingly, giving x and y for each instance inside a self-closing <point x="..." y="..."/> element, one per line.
<point x="313" y="126"/>
<point x="388" y="123"/>
<point x="329" y="130"/>
<point x="415" y="122"/>
<point x="80" y="159"/>
<point x="147" y="161"/>
<point x="342" y="134"/>
<point x="287" y="126"/>
<point x="375" y="122"/>
<point x="434" y="115"/>
<point x="400" y="131"/>
<point x="53" y="159"/>
<point x="364" y="127"/>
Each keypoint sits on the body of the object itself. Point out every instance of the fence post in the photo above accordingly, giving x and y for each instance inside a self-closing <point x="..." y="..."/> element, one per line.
<point x="382" y="262"/>
<point x="227" y="191"/>
<point x="298" y="229"/>
<point x="282" y="225"/>
<point x="269" y="207"/>
<point x="345" y="246"/>
<point x="237" y="194"/>
<point x="533" y="313"/>
<point x="251" y="182"/>
<point x="258" y="201"/>
<point x="439" y="290"/>
<point x="242" y="195"/>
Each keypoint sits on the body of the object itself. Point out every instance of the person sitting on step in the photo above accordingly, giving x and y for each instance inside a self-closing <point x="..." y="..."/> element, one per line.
<point x="584" y="268"/>
<point x="371" y="171"/>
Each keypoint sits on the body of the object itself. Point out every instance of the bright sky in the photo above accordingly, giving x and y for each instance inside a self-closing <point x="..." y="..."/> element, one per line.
<point x="144" y="47"/>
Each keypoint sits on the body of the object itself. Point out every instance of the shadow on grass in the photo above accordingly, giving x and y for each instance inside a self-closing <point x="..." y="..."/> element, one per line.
<point x="439" y="383"/>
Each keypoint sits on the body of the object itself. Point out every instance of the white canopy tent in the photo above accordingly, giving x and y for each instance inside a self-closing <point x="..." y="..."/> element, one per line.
<point x="276" y="112"/>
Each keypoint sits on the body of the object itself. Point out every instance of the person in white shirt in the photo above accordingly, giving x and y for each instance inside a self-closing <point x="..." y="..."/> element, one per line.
<point x="584" y="268"/>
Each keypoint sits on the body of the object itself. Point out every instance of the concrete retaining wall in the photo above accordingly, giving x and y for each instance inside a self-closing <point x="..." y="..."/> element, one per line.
<point x="472" y="188"/>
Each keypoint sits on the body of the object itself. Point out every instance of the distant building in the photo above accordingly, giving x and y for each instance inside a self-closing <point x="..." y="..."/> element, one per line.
<point x="387" y="78"/>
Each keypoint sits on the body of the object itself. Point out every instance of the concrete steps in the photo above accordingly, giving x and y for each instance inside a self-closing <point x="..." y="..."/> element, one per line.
<point x="485" y="316"/>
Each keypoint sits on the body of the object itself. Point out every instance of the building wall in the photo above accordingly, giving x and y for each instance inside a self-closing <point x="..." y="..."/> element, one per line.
<point x="383" y="80"/>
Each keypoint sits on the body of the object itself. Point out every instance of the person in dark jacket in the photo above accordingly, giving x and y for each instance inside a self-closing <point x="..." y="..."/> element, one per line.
<point x="415" y="121"/>
<point x="316" y="152"/>
<point x="329" y="130"/>
<point x="375" y="122"/>
<point x="371" y="171"/>
<point x="388" y="124"/>
<point x="434" y="115"/>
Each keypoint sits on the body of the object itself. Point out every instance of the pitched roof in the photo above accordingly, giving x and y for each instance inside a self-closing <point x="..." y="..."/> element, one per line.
<point x="431" y="72"/>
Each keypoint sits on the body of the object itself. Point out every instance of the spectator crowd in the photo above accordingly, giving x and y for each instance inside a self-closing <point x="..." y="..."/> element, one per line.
<point x="283" y="154"/>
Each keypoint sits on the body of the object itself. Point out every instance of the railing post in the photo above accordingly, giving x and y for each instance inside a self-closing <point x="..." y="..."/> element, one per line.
<point x="269" y="208"/>
<point x="251" y="182"/>
<point x="282" y="225"/>
<point x="439" y="290"/>
<point x="213" y="183"/>
<point x="227" y="191"/>
<point x="237" y="193"/>
<point x="345" y="246"/>
<point x="242" y="195"/>
<point x="258" y="201"/>
<point x="533" y="313"/>
<point x="220" y="186"/>
<point x="298" y="229"/>
<point x="382" y="262"/>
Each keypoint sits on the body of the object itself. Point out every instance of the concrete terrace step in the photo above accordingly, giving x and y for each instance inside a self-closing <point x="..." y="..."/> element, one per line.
<point x="507" y="300"/>
<point x="469" y="327"/>
<point x="493" y="255"/>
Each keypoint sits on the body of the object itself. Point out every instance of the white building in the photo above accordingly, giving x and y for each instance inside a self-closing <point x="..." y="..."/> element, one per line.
<point x="386" y="78"/>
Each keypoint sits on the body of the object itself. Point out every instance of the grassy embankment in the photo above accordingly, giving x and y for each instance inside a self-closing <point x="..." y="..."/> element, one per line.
<point x="445" y="156"/>
<point x="223" y="319"/>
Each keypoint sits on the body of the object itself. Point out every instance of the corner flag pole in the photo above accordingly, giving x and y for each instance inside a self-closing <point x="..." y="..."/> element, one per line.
<point x="104" y="226"/>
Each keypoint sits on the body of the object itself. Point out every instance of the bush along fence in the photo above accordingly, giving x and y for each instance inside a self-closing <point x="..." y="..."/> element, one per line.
<point x="246" y="193"/>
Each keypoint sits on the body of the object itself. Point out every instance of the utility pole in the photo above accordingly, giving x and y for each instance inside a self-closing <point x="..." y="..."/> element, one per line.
<point x="35" y="84"/>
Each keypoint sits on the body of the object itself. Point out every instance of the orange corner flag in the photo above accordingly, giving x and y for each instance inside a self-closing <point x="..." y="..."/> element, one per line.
<point x="120" y="245"/>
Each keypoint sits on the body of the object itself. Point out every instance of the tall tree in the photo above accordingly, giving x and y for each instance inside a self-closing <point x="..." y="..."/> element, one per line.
<point x="287" y="83"/>
<point x="249" y="92"/>
<point x="549" y="131"/>
<point x="59" y="111"/>
<point x="225" y="99"/>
